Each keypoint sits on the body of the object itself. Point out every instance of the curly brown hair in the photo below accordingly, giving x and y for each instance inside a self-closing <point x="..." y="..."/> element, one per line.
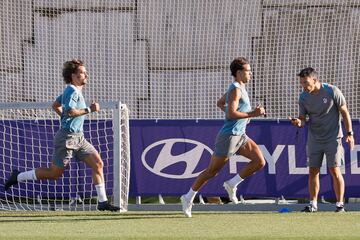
<point x="69" y="68"/>
<point x="237" y="64"/>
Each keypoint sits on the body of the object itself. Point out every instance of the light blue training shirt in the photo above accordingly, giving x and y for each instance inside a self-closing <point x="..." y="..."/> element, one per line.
<point x="236" y="126"/>
<point x="71" y="98"/>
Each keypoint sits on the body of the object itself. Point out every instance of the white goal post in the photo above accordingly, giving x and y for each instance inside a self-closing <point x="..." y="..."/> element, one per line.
<point x="26" y="142"/>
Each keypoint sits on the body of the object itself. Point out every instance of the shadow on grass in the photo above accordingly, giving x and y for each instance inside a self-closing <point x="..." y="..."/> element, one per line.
<point x="87" y="217"/>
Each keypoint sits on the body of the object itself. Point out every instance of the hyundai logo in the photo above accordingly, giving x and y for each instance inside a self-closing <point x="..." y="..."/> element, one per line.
<point x="176" y="158"/>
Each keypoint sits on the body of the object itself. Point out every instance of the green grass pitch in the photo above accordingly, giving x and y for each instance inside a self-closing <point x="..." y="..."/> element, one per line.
<point x="173" y="225"/>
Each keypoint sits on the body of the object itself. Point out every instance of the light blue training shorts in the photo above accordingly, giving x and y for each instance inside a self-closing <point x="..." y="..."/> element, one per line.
<point x="228" y="145"/>
<point x="68" y="145"/>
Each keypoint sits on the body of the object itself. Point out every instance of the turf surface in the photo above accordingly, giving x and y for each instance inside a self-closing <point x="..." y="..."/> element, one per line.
<point x="173" y="225"/>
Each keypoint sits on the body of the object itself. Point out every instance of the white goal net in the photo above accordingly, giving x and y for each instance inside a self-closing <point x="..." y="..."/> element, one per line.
<point x="169" y="59"/>
<point x="26" y="142"/>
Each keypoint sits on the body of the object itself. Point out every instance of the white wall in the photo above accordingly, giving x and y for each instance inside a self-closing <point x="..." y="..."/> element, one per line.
<point x="170" y="58"/>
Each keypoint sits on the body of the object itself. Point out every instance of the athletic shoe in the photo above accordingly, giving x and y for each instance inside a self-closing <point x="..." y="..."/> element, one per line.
<point x="231" y="192"/>
<point x="340" y="209"/>
<point x="309" y="208"/>
<point x="186" y="206"/>
<point x="106" y="206"/>
<point x="12" y="179"/>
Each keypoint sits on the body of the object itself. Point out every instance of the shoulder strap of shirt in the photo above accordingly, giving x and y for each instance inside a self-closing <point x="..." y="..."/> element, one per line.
<point x="328" y="89"/>
<point x="302" y="96"/>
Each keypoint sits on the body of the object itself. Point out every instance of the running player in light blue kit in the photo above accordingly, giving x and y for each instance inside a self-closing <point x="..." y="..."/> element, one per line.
<point x="322" y="103"/>
<point x="69" y="141"/>
<point x="232" y="138"/>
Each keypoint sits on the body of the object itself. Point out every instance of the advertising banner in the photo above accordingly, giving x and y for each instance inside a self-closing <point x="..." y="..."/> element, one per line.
<point x="168" y="155"/>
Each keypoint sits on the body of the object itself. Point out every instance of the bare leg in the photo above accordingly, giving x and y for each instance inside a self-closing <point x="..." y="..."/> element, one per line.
<point x="251" y="151"/>
<point x="94" y="161"/>
<point x="338" y="183"/>
<point x="216" y="164"/>
<point x="52" y="173"/>
<point x="314" y="183"/>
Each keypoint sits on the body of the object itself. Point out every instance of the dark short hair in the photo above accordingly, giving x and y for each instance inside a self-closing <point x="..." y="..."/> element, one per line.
<point x="307" y="72"/>
<point x="69" y="68"/>
<point x="238" y="64"/>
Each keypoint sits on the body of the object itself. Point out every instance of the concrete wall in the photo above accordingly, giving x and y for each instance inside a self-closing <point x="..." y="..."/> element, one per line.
<point x="170" y="58"/>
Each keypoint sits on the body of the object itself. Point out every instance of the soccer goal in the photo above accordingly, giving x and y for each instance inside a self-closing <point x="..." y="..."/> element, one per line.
<point x="26" y="135"/>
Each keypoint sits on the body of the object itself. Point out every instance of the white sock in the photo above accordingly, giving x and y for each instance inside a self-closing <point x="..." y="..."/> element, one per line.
<point x="28" y="175"/>
<point x="339" y="204"/>
<point x="101" y="193"/>
<point x="191" y="195"/>
<point x="313" y="203"/>
<point x="236" y="180"/>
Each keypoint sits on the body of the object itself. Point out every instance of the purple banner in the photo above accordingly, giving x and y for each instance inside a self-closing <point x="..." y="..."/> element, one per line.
<point x="167" y="156"/>
<point x="28" y="144"/>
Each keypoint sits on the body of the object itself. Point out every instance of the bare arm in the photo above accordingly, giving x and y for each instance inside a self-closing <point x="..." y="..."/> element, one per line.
<point x="234" y="97"/>
<point x="221" y="102"/>
<point x="56" y="106"/>
<point x="94" y="107"/>
<point x="348" y="125"/>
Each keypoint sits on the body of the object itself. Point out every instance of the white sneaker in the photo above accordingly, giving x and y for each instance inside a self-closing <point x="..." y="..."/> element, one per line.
<point x="231" y="192"/>
<point x="186" y="206"/>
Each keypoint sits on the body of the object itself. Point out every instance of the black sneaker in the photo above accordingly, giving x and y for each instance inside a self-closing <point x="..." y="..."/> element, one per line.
<point x="309" y="208"/>
<point x="340" y="209"/>
<point x="12" y="179"/>
<point x="106" y="206"/>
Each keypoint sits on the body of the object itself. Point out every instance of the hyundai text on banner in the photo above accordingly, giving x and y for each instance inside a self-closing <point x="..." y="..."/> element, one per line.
<point x="168" y="155"/>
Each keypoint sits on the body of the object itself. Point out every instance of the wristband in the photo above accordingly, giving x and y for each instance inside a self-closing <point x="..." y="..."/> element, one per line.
<point x="350" y="133"/>
<point x="88" y="110"/>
